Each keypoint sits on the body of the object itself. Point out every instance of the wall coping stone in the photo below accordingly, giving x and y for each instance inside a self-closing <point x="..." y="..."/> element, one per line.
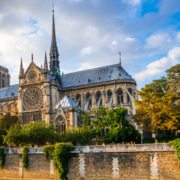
<point x="161" y="147"/>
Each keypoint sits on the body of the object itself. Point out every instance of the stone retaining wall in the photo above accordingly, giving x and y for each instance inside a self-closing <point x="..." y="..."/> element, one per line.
<point x="126" y="162"/>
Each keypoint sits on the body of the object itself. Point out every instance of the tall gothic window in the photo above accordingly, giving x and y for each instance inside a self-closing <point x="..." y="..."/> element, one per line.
<point x="30" y="117"/>
<point x="120" y="99"/>
<point x="128" y="98"/>
<point x="90" y="102"/>
<point x="109" y="94"/>
<point x="78" y="100"/>
<point x="98" y="95"/>
<point x="60" y="124"/>
<point x="3" y="81"/>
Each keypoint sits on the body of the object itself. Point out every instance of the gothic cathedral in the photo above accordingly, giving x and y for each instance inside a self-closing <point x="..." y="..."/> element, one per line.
<point x="44" y="94"/>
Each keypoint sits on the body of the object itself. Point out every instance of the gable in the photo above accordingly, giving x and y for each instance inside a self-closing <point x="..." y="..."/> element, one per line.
<point x="33" y="73"/>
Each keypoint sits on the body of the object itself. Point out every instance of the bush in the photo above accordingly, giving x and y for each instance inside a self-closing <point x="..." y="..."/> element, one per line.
<point x="25" y="157"/>
<point x="2" y="157"/>
<point x="1" y="140"/>
<point x="149" y="140"/>
<point x="166" y="137"/>
<point x="176" y="145"/>
<point x="60" y="153"/>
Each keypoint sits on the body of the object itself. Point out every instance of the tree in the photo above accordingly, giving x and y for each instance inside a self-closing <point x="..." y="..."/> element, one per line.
<point x="14" y="135"/>
<point x="38" y="133"/>
<point x="6" y="121"/>
<point x="79" y="135"/>
<point x="158" y="108"/>
<point x="110" y="125"/>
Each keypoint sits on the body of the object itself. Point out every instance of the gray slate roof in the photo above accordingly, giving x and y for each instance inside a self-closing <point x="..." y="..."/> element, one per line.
<point x="66" y="102"/>
<point x="9" y="92"/>
<point x="96" y="75"/>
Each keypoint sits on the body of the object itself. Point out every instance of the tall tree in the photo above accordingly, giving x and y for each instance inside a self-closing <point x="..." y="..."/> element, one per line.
<point x="158" y="109"/>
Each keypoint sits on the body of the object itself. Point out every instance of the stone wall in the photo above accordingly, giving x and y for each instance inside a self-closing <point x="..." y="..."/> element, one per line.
<point x="126" y="162"/>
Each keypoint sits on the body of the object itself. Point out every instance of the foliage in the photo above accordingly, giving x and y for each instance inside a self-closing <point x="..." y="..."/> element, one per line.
<point x="79" y="135"/>
<point x="38" y="133"/>
<point x="158" y="108"/>
<point x="6" y="121"/>
<point x="60" y="153"/>
<point x="166" y="137"/>
<point x="1" y="140"/>
<point x="176" y="145"/>
<point x="149" y="140"/>
<point x="2" y="157"/>
<point x="110" y="125"/>
<point x="25" y="157"/>
<point x="14" y="135"/>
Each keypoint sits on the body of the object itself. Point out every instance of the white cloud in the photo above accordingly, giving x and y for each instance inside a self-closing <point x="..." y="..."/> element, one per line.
<point x="133" y="2"/>
<point x="114" y="42"/>
<point x="130" y="39"/>
<point x="86" y="50"/>
<point x="157" y="40"/>
<point x="159" y="66"/>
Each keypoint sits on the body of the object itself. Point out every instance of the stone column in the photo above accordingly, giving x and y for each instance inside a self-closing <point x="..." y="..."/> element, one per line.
<point x="0" y="80"/>
<point x="115" y="96"/>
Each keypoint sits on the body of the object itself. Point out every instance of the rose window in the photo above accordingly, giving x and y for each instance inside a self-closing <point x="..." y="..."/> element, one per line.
<point x="33" y="99"/>
<point x="32" y="75"/>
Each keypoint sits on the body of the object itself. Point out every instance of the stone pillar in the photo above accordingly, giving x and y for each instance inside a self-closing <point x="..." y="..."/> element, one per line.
<point x="82" y="100"/>
<point x="115" y="97"/>
<point x="115" y="167"/>
<point x="154" y="167"/>
<point x="81" y="165"/>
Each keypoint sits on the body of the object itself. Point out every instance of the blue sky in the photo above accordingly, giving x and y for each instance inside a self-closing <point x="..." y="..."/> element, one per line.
<point x="90" y="33"/>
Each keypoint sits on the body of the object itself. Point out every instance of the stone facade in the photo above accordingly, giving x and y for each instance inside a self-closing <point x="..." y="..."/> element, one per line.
<point x="126" y="162"/>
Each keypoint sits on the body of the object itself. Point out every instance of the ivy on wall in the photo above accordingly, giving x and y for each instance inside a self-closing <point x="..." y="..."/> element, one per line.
<point x="25" y="158"/>
<point x="60" y="153"/>
<point x="2" y="157"/>
<point x="176" y="145"/>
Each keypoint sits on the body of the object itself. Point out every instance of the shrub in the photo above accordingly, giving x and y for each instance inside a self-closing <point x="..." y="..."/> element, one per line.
<point x="2" y="157"/>
<point x="25" y="157"/>
<point x="176" y="145"/>
<point x="60" y="153"/>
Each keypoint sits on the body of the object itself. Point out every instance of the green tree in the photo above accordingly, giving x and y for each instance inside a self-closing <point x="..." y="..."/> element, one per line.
<point x="110" y="125"/>
<point x="38" y="133"/>
<point x="14" y="135"/>
<point x="6" y="121"/>
<point x="78" y="135"/>
<point x="158" y="109"/>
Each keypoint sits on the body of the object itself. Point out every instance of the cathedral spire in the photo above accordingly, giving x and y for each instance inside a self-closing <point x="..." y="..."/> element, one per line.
<point x="54" y="55"/>
<point x="120" y="58"/>
<point x="21" y="73"/>
<point x="45" y="62"/>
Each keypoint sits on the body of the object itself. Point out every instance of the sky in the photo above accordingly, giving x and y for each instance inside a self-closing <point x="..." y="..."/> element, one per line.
<point x="91" y="33"/>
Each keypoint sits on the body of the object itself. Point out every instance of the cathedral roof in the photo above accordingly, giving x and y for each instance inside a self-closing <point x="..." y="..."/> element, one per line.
<point x="66" y="102"/>
<point x="9" y="92"/>
<point x="96" y="75"/>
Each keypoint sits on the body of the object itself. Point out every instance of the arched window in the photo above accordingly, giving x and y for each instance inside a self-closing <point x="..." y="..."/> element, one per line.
<point x="90" y="102"/>
<point x="78" y="100"/>
<point x="60" y="124"/>
<point x="98" y="95"/>
<point x="120" y="99"/>
<point x="109" y="94"/>
<point x="128" y="98"/>
<point x="3" y="81"/>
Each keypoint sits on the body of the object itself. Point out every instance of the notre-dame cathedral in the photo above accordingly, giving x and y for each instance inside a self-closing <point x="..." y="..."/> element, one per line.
<point x="44" y="94"/>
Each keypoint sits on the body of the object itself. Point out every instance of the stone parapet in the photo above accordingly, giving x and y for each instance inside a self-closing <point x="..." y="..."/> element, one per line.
<point x="107" y="148"/>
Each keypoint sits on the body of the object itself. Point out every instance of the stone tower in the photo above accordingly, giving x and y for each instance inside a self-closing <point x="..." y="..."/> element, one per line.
<point x="4" y="77"/>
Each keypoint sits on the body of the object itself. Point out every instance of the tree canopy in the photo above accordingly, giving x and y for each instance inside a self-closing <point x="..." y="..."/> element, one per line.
<point x="110" y="125"/>
<point x="6" y="121"/>
<point x="158" y="107"/>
